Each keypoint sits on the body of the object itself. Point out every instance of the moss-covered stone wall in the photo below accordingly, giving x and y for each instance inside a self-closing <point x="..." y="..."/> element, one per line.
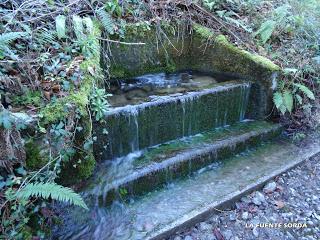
<point x="175" y="48"/>
<point x="163" y="50"/>
<point x="80" y="164"/>
<point x="130" y="129"/>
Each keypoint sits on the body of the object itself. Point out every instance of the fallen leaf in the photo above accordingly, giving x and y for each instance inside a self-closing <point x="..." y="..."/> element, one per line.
<point x="253" y="209"/>
<point x="56" y="88"/>
<point x="280" y="188"/>
<point x="46" y="85"/>
<point x="75" y="64"/>
<point x="279" y="204"/>
<point x="47" y="95"/>
<point x="218" y="234"/>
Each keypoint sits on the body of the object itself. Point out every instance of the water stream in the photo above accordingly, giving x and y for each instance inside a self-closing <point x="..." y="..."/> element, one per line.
<point x="189" y="108"/>
<point x="158" y="111"/>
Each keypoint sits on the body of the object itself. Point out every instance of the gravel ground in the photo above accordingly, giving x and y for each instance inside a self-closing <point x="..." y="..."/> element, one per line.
<point x="287" y="208"/>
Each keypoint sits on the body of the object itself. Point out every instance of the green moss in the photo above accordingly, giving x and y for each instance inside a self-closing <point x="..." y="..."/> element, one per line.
<point x="34" y="159"/>
<point x="59" y="110"/>
<point x="82" y="164"/>
<point x="160" y="53"/>
<point x="78" y="169"/>
<point x="170" y="149"/>
<point x="262" y="61"/>
<point x="202" y="31"/>
<point x="242" y="56"/>
<point x="86" y="166"/>
<point x="28" y="98"/>
<point x="118" y="72"/>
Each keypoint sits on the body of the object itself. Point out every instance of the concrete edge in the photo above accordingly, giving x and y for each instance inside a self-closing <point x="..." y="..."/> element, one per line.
<point x="202" y="214"/>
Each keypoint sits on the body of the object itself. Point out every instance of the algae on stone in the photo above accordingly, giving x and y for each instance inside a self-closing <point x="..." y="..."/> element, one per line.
<point x="136" y="127"/>
<point x="197" y="49"/>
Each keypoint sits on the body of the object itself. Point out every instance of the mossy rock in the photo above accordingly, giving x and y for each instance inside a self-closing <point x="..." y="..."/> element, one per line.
<point x="164" y="53"/>
<point x="82" y="164"/>
<point x="34" y="158"/>
<point x="78" y="169"/>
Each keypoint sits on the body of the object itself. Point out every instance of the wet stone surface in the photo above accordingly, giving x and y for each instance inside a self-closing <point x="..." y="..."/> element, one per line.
<point x="291" y="200"/>
<point x="147" y="87"/>
<point x="134" y="127"/>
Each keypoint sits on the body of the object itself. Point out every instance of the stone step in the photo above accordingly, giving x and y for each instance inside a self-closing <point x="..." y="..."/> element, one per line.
<point x="165" y="118"/>
<point x="141" y="172"/>
<point x="186" y="202"/>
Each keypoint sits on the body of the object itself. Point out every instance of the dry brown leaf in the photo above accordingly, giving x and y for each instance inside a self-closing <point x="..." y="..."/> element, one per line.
<point x="279" y="204"/>
<point x="56" y="88"/>
<point x="75" y="65"/>
<point x="218" y="234"/>
<point x="47" y="95"/>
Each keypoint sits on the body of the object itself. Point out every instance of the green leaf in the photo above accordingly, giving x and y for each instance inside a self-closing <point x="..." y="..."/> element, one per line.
<point x="299" y="98"/>
<point x="288" y="100"/>
<point x="266" y="29"/>
<point x="283" y="109"/>
<point x="277" y="99"/>
<point x="51" y="190"/>
<point x="305" y="90"/>
<point x="61" y="26"/>
<point x="7" y="38"/>
<point x="89" y="24"/>
<point x="106" y="20"/>
<point x="288" y="71"/>
<point x="78" y="27"/>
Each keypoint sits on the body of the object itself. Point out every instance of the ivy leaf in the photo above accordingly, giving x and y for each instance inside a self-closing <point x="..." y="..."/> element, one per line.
<point x="283" y="109"/>
<point x="87" y="145"/>
<point x="305" y="90"/>
<point x="277" y="99"/>
<point x="21" y="171"/>
<point x="288" y="100"/>
<point x="5" y="120"/>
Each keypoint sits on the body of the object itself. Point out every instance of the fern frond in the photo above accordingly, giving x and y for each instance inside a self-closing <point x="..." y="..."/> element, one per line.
<point x="106" y="21"/>
<point x="88" y="24"/>
<point x="45" y="36"/>
<point x="61" y="26"/>
<point x="7" y="38"/>
<point x="78" y="27"/>
<point x="305" y="90"/>
<point x="266" y="29"/>
<point x="52" y="190"/>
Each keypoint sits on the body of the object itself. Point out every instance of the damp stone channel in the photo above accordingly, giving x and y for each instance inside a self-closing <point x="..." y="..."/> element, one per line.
<point x="185" y="122"/>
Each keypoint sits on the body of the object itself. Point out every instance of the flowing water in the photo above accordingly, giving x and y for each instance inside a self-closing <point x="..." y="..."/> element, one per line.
<point x="150" y="86"/>
<point x="190" y="108"/>
<point x="182" y="110"/>
<point x="180" y="198"/>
